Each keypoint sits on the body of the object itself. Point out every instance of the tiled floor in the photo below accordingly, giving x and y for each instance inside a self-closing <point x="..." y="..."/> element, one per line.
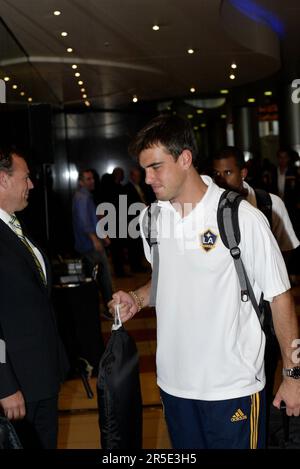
<point x="78" y="424"/>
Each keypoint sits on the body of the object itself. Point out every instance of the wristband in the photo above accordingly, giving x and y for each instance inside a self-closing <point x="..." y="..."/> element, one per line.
<point x="139" y="300"/>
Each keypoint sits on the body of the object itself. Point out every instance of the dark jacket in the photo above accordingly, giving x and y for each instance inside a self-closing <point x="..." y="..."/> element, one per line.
<point x="35" y="360"/>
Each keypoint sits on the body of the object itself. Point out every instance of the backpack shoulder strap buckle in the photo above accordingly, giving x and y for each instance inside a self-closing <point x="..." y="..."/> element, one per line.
<point x="235" y="252"/>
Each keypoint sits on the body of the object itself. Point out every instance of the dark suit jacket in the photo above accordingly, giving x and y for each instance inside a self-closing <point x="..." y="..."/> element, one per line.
<point x="35" y="360"/>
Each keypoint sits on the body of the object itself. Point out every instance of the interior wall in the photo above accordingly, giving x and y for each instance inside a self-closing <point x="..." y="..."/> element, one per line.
<point x="99" y="140"/>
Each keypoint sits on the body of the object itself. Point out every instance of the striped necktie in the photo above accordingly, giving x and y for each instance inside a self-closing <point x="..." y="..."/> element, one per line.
<point x="15" y="224"/>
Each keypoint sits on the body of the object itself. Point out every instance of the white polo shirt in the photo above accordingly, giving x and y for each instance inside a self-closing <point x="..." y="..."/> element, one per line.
<point x="209" y="343"/>
<point x="282" y="227"/>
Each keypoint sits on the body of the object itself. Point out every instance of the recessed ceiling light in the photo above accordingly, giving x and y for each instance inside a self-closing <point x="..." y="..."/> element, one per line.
<point x="192" y="90"/>
<point x="203" y="125"/>
<point x="224" y="91"/>
<point x="251" y="100"/>
<point x="199" y="111"/>
<point x="82" y="90"/>
<point x="232" y="76"/>
<point x="64" y="34"/>
<point x="57" y="13"/>
<point x="190" y="116"/>
<point x="233" y="65"/>
<point x="135" y="99"/>
<point x="30" y="100"/>
<point x="268" y="93"/>
<point x="196" y="127"/>
<point x="74" y="66"/>
<point x="15" y="87"/>
<point x="22" y="93"/>
<point x="77" y="74"/>
<point x="84" y="96"/>
<point x="69" y="49"/>
<point x="87" y="103"/>
<point x="191" y="51"/>
<point x="80" y="82"/>
<point x="223" y="116"/>
<point x="155" y="27"/>
<point x="6" y="78"/>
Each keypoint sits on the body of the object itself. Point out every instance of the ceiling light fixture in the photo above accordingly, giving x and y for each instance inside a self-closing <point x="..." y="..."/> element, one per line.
<point x="87" y="103"/>
<point x="74" y="66"/>
<point x="224" y="91"/>
<point x="64" y="34"/>
<point x="84" y="96"/>
<point x="22" y="93"/>
<point x="69" y="49"/>
<point x="56" y="13"/>
<point x="233" y="65"/>
<point x="155" y="27"/>
<point x="6" y="78"/>
<point x="80" y="83"/>
<point x="223" y="116"/>
<point x="77" y="74"/>
<point x="15" y="87"/>
<point x="192" y="90"/>
<point x="203" y="125"/>
<point x="196" y="127"/>
<point x="190" y="116"/>
<point x="191" y="51"/>
<point x="232" y="76"/>
<point x="199" y="111"/>
<point x="82" y="90"/>
<point x="268" y="93"/>
<point x="135" y="99"/>
<point x="251" y="100"/>
<point x="30" y="100"/>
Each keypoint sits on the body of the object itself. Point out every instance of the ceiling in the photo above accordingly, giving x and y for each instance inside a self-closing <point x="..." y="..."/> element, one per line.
<point x="119" y="56"/>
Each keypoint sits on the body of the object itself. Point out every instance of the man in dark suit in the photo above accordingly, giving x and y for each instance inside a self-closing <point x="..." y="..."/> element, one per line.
<point x="35" y="363"/>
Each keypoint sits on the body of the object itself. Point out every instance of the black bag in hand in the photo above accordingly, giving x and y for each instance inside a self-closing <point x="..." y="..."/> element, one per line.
<point x="119" y="392"/>
<point x="8" y="436"/>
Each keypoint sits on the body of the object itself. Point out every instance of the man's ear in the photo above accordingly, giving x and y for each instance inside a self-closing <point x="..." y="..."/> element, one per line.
<point x="4" y="179"/>
<point x="186" y="159"/>
<point x="244" y="173"/>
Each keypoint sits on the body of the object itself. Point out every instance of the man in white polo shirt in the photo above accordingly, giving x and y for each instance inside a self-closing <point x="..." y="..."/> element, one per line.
<point x="210" y="346"/>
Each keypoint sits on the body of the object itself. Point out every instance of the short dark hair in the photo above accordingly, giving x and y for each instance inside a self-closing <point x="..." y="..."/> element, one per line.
<point x="6" y="159"/>
<point x="236" y="153"/>
<point x="173" y="132"/>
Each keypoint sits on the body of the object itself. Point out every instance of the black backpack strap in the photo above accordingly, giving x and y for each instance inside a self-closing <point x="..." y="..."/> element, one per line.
<point x="149" y="227"/>
<point x="229" y="201"/>
<point x="228" y="224"/>
<point x="264" y="204"/>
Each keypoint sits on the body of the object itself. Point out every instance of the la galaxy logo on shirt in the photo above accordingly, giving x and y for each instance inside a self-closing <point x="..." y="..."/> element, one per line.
<point x="208" y="240"/>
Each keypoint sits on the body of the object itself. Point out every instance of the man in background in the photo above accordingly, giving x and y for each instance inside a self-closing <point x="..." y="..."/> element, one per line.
<point x="230" y="172"/>
<point x="87" y="243"/>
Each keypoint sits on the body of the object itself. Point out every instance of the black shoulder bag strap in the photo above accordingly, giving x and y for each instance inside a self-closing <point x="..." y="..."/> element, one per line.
<point x="228" y="224"/>
<point x="149" y="228"/>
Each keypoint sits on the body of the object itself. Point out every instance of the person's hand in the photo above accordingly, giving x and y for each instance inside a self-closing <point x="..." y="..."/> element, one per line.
<point x="98" y="245"/>
<point x="13" y="406"/>
<point x="128" y="307"/>
<point x="289" y="392"/>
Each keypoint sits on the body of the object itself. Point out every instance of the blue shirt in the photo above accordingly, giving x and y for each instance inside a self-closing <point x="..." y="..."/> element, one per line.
<point x="84" y="219"/>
